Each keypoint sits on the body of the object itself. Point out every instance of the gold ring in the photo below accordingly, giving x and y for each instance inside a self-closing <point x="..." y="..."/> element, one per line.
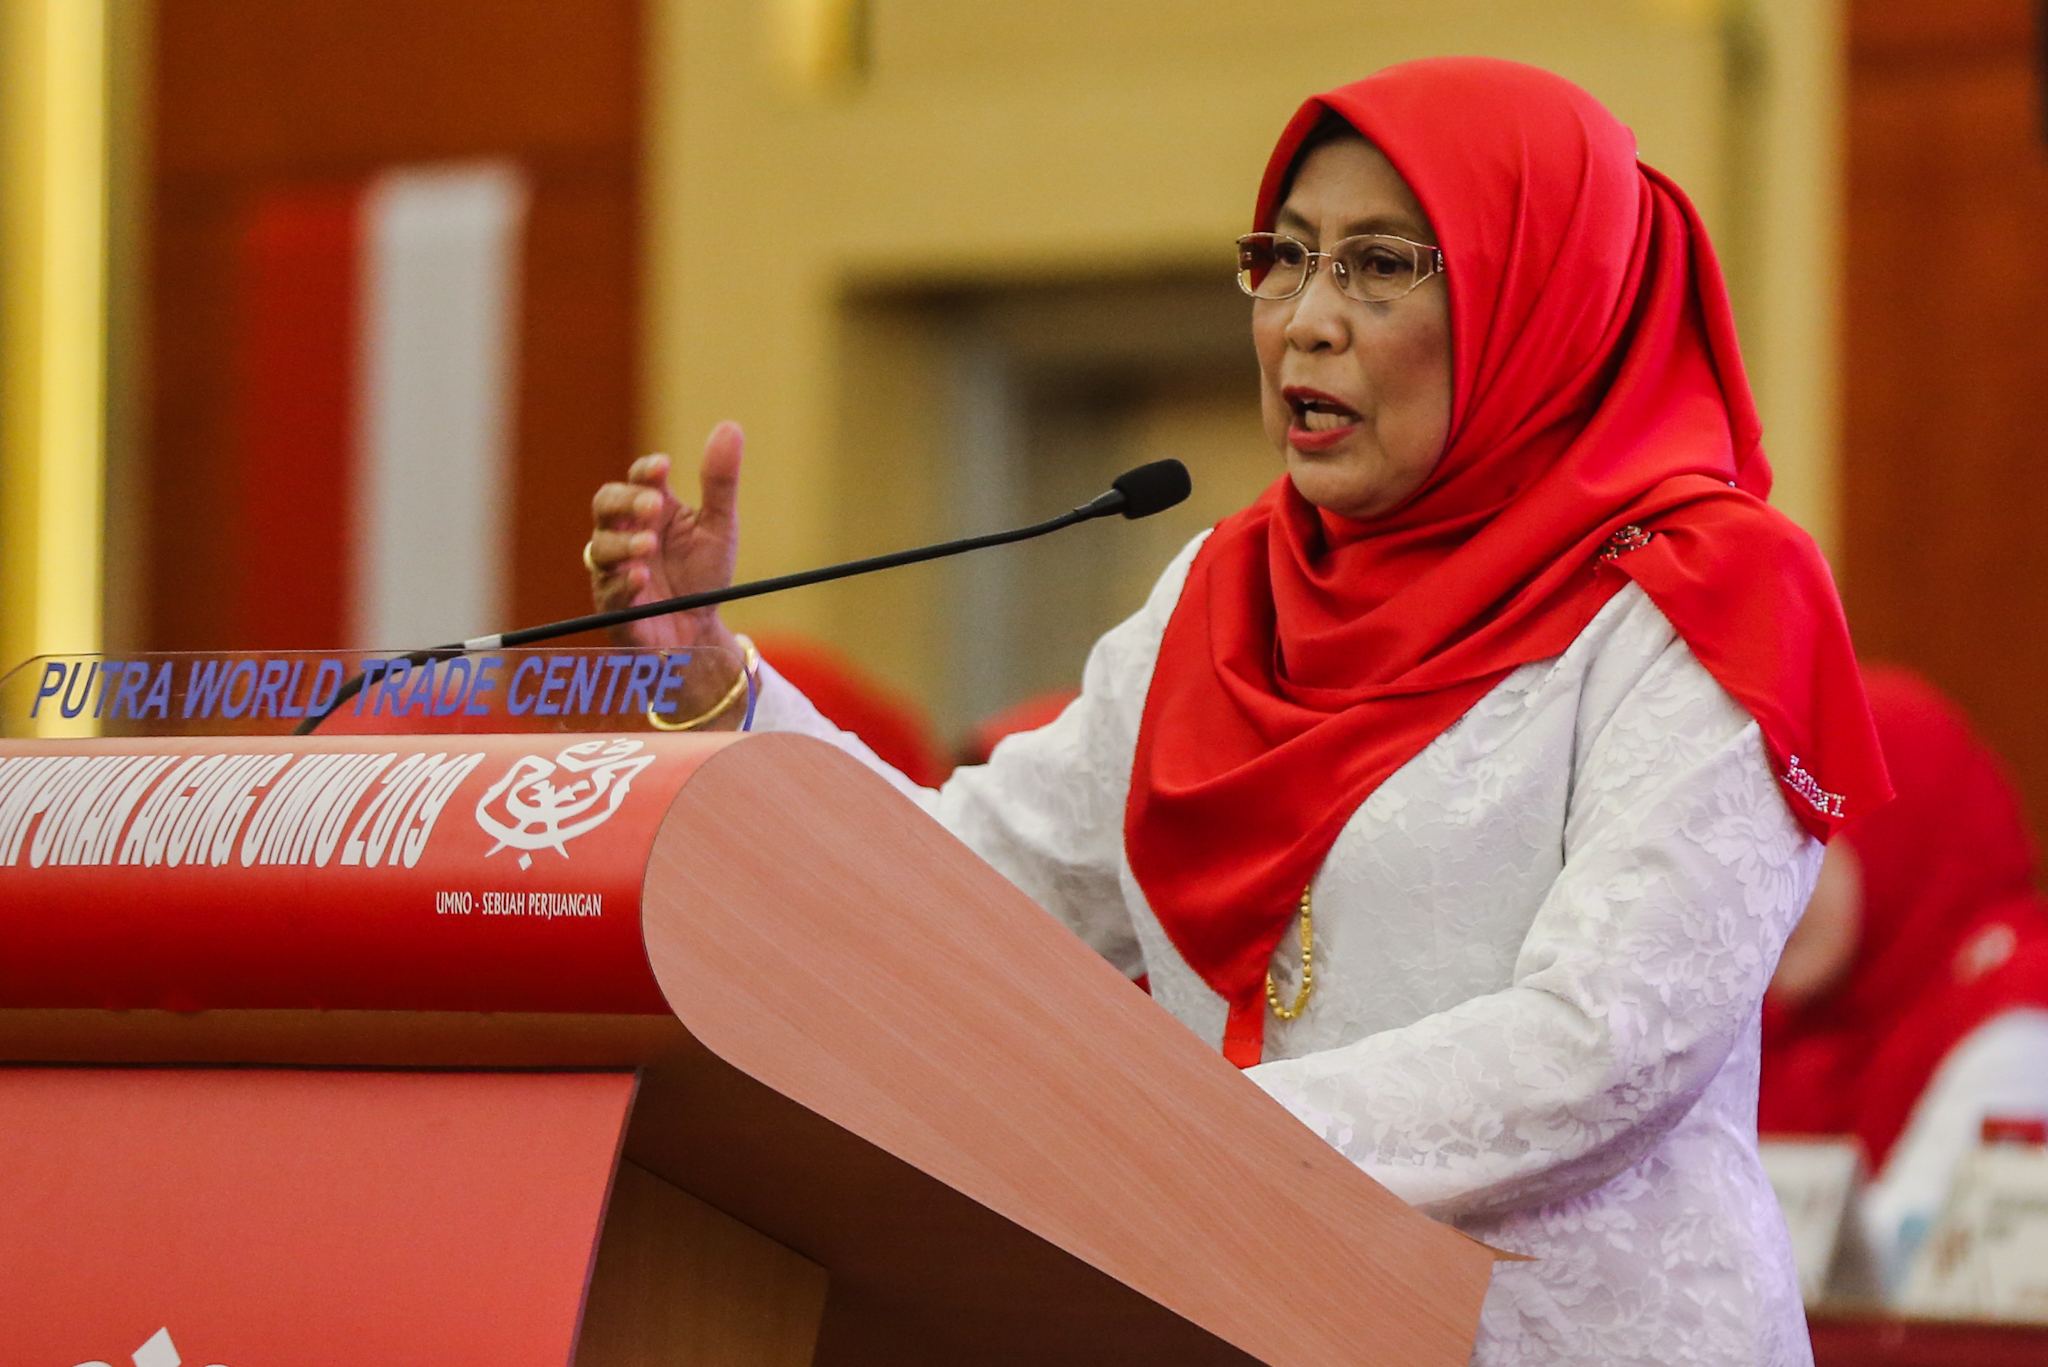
<point x="588" y="563"/>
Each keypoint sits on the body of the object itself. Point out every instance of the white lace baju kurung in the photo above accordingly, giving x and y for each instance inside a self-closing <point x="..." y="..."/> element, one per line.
<point x="1541" y="947"/>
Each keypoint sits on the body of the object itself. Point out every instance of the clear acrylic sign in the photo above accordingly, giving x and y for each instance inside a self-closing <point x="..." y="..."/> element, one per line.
<point x="274" y="693"/>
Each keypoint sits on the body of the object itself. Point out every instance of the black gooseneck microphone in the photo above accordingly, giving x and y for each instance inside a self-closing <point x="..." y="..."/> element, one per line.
<point x="1137" y="493"/>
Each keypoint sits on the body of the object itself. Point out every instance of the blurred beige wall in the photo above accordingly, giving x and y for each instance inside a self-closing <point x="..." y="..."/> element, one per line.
<point x="801" y="210"/>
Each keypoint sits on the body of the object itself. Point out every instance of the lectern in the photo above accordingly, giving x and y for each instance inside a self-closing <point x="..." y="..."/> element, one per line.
<point x="620" y="1048"/>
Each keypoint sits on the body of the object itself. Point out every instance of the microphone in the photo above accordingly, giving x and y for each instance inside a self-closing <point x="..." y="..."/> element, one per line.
<point x="1137" y="493"/>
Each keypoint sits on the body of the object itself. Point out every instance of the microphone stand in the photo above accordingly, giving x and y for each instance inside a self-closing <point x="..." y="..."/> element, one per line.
<point x="711" y="597"/>
<point x="1156" y="490"/>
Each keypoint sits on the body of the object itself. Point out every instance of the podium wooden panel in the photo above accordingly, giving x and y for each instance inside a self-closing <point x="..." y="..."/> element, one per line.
<point x="894" y="1113"/>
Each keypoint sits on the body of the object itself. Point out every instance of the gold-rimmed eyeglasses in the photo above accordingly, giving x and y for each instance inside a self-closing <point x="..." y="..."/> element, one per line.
<point x="1375" y="268"/>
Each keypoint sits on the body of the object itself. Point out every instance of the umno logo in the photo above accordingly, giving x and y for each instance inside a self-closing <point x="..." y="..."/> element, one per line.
<point x="543" y="804"/>
<point x="156" y="1351"/>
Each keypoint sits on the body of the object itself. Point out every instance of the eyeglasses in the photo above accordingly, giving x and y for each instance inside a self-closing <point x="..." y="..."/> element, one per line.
<point x="1373" y="269"/>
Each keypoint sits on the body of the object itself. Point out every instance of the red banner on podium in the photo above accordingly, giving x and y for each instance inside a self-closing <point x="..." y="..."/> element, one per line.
<point x="453" y="873"/>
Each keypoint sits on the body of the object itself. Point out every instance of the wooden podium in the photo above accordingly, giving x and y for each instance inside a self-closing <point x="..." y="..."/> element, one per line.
<point x="661" y="1049"/>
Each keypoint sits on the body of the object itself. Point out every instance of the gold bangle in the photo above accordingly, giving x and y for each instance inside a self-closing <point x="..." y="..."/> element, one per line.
<point x="1308" y="968"/>
<point x="750" y="669"/>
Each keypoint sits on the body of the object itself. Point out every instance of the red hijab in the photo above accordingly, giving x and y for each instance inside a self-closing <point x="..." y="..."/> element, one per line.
<point x="1596" y="388"/>
<point x="1953" y="932"/>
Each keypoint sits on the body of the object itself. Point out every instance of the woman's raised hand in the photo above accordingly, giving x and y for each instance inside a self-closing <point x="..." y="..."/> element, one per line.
<point x="646" y="545"/>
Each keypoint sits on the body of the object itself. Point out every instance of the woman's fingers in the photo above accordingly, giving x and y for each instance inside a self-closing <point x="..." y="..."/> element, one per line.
<point x="718" y="480"/>
<point x="623" y="506"/>
<point x="619" y="566"/>
<point x="651" y="470"/>
<point x="608" y="549"/>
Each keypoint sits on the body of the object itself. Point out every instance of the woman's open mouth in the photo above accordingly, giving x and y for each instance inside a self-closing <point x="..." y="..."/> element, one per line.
<point x="1319" y="421"/>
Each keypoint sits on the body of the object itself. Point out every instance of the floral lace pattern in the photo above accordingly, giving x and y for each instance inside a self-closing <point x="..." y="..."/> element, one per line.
<point x="1540" y="952"/>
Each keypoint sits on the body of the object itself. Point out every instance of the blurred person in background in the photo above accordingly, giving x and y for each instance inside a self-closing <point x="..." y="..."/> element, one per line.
<point x="1031" y="714"/>
<point x="1463" y="788"/>
<point x="1911" y="1003"/>
<point x="887" y="722"/>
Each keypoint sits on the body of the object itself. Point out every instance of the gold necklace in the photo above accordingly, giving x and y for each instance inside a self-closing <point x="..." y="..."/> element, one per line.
<point x="1308" y="967"/>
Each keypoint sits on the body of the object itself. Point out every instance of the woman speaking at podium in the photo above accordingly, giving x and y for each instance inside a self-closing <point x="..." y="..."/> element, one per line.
<point x="1464" y="787"/>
